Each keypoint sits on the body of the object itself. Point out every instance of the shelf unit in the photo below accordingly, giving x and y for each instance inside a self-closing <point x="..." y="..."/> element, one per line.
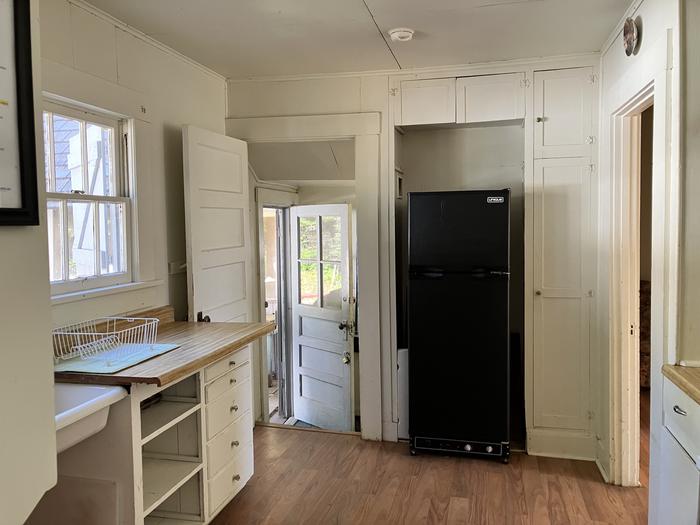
<point x="162" y="477"/>
<point x="163" y="415"/>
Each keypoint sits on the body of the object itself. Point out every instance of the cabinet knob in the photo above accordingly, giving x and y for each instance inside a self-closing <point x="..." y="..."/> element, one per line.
<point x="678" y="410"/>
<point x="231" y="363"/>
<point x="231" y="381"/>
<point x="539" y="119"/>
<point x="235" y="478"/>
<point x="234" y="444"/>
<point x="538" y="292"/>
<point x="234" y="408"/>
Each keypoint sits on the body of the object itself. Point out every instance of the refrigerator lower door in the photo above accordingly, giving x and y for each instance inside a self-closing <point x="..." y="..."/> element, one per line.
<point x="459" y="366"/>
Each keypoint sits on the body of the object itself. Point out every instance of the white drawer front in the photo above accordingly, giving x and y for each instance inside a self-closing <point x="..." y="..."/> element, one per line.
<point x="230" y="480"/>
<point x="229" y="362"/>
<point x="238" y="436"/>
<point x="227" y="408"/>
<point x="229" y="380"/>
<point x="685" y="428"/>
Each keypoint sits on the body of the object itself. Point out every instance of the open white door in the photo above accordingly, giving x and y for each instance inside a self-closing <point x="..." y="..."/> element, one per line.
<point x="216" y="223"/>
<point x="322" y="316"/>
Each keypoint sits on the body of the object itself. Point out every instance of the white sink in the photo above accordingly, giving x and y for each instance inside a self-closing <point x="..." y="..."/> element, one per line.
<point x="82" y="410"/>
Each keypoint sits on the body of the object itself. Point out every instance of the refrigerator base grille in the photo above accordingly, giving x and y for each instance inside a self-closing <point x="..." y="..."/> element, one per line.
<point x="462" y="447"/>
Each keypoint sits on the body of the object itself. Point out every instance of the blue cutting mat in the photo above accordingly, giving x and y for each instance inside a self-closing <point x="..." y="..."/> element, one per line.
<point x="114" y="360"/>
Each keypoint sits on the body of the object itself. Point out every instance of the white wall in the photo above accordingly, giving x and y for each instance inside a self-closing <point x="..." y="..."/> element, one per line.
<point x="27" y="430"/>
<point x="622" y="79"/>
<point x="689" y="348"/>
<point x="92" y="58"/>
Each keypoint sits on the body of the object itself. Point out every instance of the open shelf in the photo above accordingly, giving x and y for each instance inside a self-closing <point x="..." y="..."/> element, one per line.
<point x="162" y="477"/>
<point x="152" y="520"/>
<point x="163" y="415"/>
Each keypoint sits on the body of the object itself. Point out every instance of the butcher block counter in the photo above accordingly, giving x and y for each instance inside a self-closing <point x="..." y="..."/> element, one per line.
<point x="200" y="345"/>
<point x="685" y="378"/>
<point x="179" y="447"/>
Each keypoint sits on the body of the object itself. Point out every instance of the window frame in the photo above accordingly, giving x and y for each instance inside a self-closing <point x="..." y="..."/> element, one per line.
<point x="120" y="128"/>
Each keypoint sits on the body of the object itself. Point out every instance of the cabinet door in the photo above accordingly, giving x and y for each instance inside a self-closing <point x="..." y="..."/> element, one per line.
<point x="563" y="113"/>
<point x="679" y="484"/>
<point x="427" y="101"/>
<point x="561" y="218"/>
<point x="490" y="98"/>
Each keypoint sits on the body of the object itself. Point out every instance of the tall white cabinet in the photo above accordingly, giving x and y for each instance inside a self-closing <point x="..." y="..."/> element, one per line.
<point x="563" y="249"/>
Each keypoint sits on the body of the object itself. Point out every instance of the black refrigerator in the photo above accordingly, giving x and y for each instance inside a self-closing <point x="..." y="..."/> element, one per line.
<point x="458" y="327"/>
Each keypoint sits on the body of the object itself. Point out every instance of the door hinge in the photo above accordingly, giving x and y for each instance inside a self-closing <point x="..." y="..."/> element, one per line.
<point x="592" y="167"/>
<point x="631" y="329"/>
<point x="525" y="83"/>
<point x="590" y="139"/>
<point x="393" y="92"/>
<point x="592" y="79"/>
<point x="591" y="414"/>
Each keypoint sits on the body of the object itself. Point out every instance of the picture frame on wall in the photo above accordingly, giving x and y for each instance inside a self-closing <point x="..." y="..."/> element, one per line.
<point x="18" y="165"/>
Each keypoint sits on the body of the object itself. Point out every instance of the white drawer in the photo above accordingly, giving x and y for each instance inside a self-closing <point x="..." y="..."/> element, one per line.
<point x="234" y="360"/>
<point x="229" y="443"/>
<point x="231" y="479"/>
<point x="229" y="380"/>
<point x="228" y="407"/>
<point x="682" y="418"/>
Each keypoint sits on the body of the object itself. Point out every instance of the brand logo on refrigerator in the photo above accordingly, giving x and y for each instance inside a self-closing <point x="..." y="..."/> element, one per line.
<point x="495" y="200"/>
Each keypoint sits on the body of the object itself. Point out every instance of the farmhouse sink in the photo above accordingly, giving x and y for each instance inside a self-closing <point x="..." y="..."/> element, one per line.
<point x="82" y="410"/>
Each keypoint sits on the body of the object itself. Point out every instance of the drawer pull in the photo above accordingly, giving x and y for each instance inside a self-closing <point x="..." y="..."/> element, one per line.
<point x="235" y="478"/>
<point x="234" y="444"/>
<point x="234" y="408"/>
<point x="231" y="363"/>
<point x="678" y="410"/>
<point x="231" y="381"/>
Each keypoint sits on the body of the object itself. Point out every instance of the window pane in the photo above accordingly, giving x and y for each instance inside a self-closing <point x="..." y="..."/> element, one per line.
<point x="308" y="284"/>
<point x="330" y="235"/>
<point x="67" y="153"/>
<point x="54" y="223"/>
<point x="112" y="241"/>
<point x="101" y="180"/>
<point x="81" y="239"/>
<point x="308" y="238"/>
<point x="47" y="152"/>
<point x="332" y="285"/>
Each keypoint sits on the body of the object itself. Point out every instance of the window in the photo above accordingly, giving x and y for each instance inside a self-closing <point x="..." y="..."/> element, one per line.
<point x="88" y="208"/>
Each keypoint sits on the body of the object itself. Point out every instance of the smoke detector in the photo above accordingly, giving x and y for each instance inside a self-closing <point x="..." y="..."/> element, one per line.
<point x="401" y="34"/>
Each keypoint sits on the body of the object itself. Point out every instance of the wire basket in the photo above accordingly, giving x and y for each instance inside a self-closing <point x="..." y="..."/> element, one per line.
<point x="90" y="338"/>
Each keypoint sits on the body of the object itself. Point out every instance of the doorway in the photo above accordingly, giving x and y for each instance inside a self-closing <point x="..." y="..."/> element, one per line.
<point x="646" y="143"/>
<point x="308" y="284"/>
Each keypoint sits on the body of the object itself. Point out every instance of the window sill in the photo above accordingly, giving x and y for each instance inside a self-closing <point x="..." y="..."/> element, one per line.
<point x="81" y="295"/>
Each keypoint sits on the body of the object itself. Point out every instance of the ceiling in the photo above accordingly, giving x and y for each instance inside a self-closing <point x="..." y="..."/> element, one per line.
<point x="252" y="38"/>
<point x="297" y="162"/>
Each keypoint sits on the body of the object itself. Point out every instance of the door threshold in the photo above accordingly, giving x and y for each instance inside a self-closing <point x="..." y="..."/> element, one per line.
<point x="304" y="429"/>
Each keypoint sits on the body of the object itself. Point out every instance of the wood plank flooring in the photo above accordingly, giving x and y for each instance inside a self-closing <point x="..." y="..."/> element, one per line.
<point x="315" y="477"/>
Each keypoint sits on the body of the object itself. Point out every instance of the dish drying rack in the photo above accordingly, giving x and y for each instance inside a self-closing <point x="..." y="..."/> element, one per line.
<point x="117" y="335"/>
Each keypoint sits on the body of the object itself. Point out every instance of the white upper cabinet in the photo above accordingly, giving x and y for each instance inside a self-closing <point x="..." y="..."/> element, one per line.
<point x="427" y="102"/>
<point x="563" y="112"/>
<point x="490" y="98"/>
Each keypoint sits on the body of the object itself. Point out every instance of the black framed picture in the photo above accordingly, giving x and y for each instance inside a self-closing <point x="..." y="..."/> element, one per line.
<point x="18" y="175"/>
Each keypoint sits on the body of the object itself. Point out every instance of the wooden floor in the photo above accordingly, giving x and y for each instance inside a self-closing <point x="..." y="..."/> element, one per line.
<point x="644" y="407"/>
<point x="314" y="477"/>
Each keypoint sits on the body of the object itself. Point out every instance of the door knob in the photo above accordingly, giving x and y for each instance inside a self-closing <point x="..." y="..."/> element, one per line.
<point x="346" y="358"/>
<point x="343" y="325"/>
<point x="539" y="119"/>
<point x="538" y="292"/>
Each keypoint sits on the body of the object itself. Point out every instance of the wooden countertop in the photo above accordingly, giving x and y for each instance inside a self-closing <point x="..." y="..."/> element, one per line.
<point x="685" y="378"/>
<point x="200" y="345"/>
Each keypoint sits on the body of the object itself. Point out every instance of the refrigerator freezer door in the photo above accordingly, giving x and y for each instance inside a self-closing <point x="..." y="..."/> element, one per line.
<point x="459" y="367"/>
<point x="459" y="230"/>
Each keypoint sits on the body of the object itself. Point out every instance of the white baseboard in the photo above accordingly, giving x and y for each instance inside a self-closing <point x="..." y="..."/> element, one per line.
<point x="557" y="443"/>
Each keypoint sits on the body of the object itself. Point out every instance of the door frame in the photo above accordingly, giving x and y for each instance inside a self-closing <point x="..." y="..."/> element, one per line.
<point x="364" y="130"/>
<point x="625" y="127"/>
<point x="281" y="197"/>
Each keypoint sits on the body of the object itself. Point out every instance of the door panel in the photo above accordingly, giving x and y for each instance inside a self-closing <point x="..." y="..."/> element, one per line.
<point x="561" y="304"/>
<point x="321" y="298"/>
<point x="490" y="98"/>
<point x="216" y="222"/>
<point x="564" y="113"/>
<point x="427" y="102"/>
